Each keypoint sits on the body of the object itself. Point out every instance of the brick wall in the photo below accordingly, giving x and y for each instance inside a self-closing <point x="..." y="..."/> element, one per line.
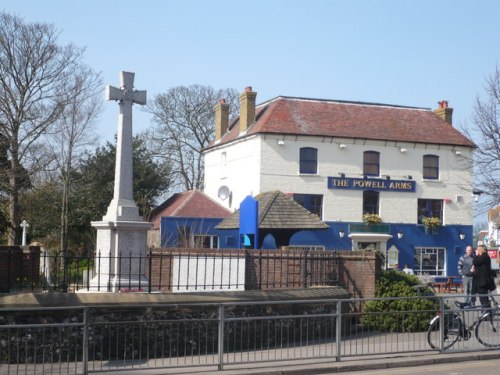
<point x="356" y="271"/>
<point x="19" y="267"/>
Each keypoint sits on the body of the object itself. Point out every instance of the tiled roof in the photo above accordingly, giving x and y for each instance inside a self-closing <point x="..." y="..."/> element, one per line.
<point x="192" y="203"/>
<point x="277" y="211"/>
<point x="314" y="117"/>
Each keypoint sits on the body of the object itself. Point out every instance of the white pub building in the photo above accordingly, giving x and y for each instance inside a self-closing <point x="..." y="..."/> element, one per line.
<point x="342" y="160"/>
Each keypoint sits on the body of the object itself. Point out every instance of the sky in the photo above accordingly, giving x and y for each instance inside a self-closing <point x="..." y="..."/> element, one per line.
<point x="402" y="52"/>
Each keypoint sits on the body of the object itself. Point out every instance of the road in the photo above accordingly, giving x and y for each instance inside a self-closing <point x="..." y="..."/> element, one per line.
<point x="486" y="367"/>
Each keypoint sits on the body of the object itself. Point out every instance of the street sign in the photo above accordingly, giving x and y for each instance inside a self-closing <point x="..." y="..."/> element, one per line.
<point x="495" y="260"/>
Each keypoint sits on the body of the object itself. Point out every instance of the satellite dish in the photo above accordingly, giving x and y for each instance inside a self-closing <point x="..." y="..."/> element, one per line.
<point x="223" y="192"/>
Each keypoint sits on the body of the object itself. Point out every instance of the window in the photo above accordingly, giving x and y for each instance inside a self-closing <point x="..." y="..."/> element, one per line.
<point x="371" y="163"/>
<point x="430" y="261"/>
<point x="223" y="165"/>
<point x="308" y="160"/>
<point x="370" y="202"/>
<point x="205" y="241"/>
<point x="431" y="167"/>
<point x="311" y="202"/>
<point x="430" y="208"/>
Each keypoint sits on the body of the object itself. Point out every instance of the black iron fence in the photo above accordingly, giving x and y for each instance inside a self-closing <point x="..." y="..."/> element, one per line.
<point x="171" y="270"/>
<point x="79" y="340"/>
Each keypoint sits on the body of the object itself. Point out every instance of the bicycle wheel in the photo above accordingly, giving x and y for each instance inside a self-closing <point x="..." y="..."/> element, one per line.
<point x="453" y="327"/>
<point x="488" y="330"/>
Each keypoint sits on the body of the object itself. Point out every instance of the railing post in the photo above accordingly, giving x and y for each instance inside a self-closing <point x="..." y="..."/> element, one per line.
<point x="260" y="269"/>
<point x="65" y="270"/>
<point x="150" y="267"/>
<point x="338" y="333"/>
<point x="9" y="266"/>
<point x="221" y="338"/>
<point x="130" y="259"/>
<point x="85" y="346"/>
<point x="304" y="271"/>
<point x="441" y="326"/>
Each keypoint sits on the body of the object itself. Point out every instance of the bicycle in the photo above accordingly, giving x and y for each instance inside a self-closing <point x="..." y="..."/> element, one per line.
<point x="486" y="327"/>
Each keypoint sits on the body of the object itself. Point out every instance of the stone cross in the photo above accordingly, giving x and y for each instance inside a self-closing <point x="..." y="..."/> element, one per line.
<point x="121" y="240"/>
<point x="123" y="203"/>
<point x="24" y="224"/>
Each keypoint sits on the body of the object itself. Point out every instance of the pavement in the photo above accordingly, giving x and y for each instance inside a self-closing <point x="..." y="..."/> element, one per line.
<point x="306" y="367"/>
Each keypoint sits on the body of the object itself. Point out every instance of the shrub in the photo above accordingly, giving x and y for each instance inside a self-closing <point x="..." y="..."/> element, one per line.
<point x="411" y="312"/>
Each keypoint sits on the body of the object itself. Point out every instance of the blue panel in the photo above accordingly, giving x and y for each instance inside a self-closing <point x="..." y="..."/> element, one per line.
<point x="249" y="214"/>
<point x="447" y="237"/>
<point x="377" y="184"/>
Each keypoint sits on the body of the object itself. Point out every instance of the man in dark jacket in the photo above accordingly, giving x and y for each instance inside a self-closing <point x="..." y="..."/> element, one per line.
<point x="482" y="275"/>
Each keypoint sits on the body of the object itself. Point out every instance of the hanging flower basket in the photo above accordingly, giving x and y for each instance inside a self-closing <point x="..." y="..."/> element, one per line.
<point x="371" y="219"/>
<point x="431" y="225"/>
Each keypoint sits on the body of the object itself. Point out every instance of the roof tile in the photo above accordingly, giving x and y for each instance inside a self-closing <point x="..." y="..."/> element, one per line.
<point x="299" y="116"/>
<point x="192" y="203"/>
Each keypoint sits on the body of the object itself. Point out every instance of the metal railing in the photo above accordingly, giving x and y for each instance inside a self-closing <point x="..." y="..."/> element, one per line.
<point x="175" y="270"/>
<point x="106" y="338"/>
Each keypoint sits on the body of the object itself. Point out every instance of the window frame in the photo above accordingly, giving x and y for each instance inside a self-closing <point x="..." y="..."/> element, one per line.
<point x="369" y="166"/>
<point x="371" y="208"/>
<point x="430" y="167"/>
<point x="213" y="241"/>
<point x="440" y="255"/>
<point x="308" y="164"/>
<point x="429" y="208"/>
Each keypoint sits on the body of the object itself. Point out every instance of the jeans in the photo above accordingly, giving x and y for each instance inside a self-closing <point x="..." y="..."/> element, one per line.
<point x="467" y="282"/>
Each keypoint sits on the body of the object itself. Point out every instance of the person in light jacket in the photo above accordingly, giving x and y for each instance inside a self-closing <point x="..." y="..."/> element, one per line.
<point x="465" y="270"/>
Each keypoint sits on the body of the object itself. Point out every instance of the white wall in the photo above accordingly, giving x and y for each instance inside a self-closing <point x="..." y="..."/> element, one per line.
<point x="261" y="164"/>
<point x="241" y="173"/>
<point x="193" y="274"/>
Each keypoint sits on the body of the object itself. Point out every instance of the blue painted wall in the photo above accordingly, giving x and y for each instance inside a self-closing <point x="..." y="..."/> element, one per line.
<point x="414" y="236"/>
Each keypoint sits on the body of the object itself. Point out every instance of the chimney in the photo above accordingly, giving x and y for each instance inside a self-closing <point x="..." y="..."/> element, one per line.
<point x="444" y="111"/>
<point x="247" y="108"/>
<point x="221" y="119"/>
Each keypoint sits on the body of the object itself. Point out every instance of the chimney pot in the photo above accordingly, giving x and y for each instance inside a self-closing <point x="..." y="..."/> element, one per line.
<point x="248" y="89"/>
<point x="444" y="111"/>
<point x="443" y="104"/>
<point x="222" y="101"/>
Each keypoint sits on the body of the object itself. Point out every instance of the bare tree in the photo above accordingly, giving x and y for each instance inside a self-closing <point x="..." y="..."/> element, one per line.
<point x="74" y="131"/>
<point x="184" y="118"/>
<point x="486" y="132"/>
<point x="34" y="69"/>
